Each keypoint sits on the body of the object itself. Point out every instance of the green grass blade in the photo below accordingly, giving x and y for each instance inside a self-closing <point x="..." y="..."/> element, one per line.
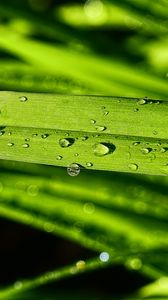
<point x="120" y="134"/>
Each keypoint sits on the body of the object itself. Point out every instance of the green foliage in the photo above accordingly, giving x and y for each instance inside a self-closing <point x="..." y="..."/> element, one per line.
<point x="50" y="51"/>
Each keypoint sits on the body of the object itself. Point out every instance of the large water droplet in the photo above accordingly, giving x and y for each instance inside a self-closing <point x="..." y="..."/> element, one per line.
<point x="133" y="167"/>
<point x="100" y="128"/>
<point x="104" y="256"/>
<point x="100" y="149"/>
<point x="23" y="98"/>
<point x="73" y="169"/>
<point x="64" y="143"/>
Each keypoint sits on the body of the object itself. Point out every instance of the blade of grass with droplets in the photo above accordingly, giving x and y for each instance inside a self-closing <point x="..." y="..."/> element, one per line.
<point x="120" y="134"/>
<point x="104" y="75"/>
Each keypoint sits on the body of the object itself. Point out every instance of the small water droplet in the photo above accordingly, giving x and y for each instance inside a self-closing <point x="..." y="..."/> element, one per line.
<point x="100" y="128"/>
<point x="89" y="164"/>
<point x="106" y="113"/>
<point x="32" y="190"/>
<point x="10" y="144"/>
<point x="73" y="169"/>
<point x="18" y="285"/>
<point x="59" y="157"/>
<point x="2" y="132"/>
<point x="135" y="143"/>
<point x="80" y="265"/>
<point x="162" y="150"/>
<point x="27" y="140"/>
<point x="103" y="107"/>
<point x="145" y="150"/>
<point x="104" y="256"/>
<point x="92" y="121"/>
<point x="100" y="149"/>
<point x="142" y="101"/>
<point x="76" y="154"/>
<point x="44" y="136"/>
<point x="84" y="138"/>
<point x="34" y="134"/>
<point x="23" y="98"/>
<point x="25" y="145"/>
<point x="64" y="143"/>
<point x="134" y="263"/>
<point x="133" y="167"/>
<point x="155" y="132"/>
<point x="89" y="208"/>
<point x="136" y="109"/>
<point x="157" y="102"/>
<point x="9" y="133"/>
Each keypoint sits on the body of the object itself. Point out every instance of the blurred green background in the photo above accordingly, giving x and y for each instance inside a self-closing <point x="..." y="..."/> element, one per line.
<point x="49" y="220"/>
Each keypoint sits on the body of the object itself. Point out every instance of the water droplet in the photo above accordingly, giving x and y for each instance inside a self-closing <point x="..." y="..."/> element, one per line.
<point x="64" y="143"/>
<point x="100" y="128"/>
<point x="48" y="227"/>
<point x="103" y="107"/>
<point x="157" y="102"/>
<point x="25" y="145"/>
<point x="89" y="164"/>
<point x="134" y="263"/>
<point x="106" y="113"/>
<point x="23" y="99"/>
<point x="136" y="109"/>
<point x="142" y="101"/>
<point x="2" y="132"/>
<point x="44" y="136"/>
<point x="135" y="143"/>
<point x="89" y="208"/>
<point x="155" y="132"/>
<point x="10" y="144"/>
<point x="84" y="138"/>
<point x="76" y="154"/>
<point x="32" y="190"/>
<point x="133" y="167"/>
<point x="59" y="157"/>
<point x="27" y="140"/>
<point x="9" y="133"/>
<point x="104" y="256"/>
<point x="162" y="150"/>
<point x="18" y="285"/>
<point x="100" y="149"/>
<point x="80" y="265"/>
<point x="73" y="169"/>
<point x="34" y="134"/>
<point x="92" y="121"/>
<point x="145" y="150"/>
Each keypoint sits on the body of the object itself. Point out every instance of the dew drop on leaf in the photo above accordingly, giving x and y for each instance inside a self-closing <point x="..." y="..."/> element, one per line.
<point x="100" y="128"/>
<point x="44" y="136"/>
<point x="92" y="121"/>
<point x="25" y="145"/>
<point x="141" y="101"/>
<point x="133" y="167"/>
<point x="89" y="164"/>
<point x="64" y="143"/>
<point x="73" y="169"/>
<point x="80" y="265"/>
<point x="103" y="149"/>
<point x="145" y="150"/>
<point x="104" y="256"/>
<point x="59" y="157"/>
<point x="10" y="144"/>
<point x="23" y="98"/>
